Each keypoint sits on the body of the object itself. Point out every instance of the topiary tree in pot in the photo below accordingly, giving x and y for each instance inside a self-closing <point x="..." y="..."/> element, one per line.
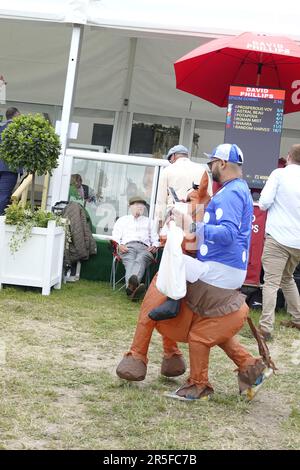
<point x="35" y="238"/>
<point x="30" y="142"/>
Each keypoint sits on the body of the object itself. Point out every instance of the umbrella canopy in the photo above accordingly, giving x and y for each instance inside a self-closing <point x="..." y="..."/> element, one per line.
<point x="247" y="59"/>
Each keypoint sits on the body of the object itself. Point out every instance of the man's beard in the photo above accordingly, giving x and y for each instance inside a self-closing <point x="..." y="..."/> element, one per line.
<point x="216" y="176"/>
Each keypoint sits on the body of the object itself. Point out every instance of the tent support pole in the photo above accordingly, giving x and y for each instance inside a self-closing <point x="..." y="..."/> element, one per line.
<point x="123" y="146"/>
<point x="59" y="186"/>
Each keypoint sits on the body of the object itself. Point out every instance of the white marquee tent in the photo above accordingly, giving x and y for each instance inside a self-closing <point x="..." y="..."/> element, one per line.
<point x="118" y="55"/>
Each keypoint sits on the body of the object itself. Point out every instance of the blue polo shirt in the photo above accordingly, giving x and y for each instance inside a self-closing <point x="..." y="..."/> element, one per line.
<point x="224" y="240"/>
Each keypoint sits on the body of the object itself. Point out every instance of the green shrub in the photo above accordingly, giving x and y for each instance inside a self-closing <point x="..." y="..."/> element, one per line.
<point x="30" y="142"/>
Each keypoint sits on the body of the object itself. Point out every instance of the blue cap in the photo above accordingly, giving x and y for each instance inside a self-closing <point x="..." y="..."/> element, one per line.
<point x="177" y="149"/>
<point x="227" y="152"/>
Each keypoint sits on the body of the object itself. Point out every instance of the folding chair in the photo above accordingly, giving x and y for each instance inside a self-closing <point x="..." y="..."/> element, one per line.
<point x="116" y="261"/>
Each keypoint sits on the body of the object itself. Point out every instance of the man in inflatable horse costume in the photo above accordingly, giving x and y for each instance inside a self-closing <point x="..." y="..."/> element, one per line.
<point x="210" y="314"/>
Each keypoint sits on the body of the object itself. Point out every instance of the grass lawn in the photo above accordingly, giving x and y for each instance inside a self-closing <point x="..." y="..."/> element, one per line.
<point x="59" y="389"/>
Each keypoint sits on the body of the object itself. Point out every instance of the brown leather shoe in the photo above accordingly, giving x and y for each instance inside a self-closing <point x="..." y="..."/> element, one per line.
<point x="173" y="366"/>
<point x="131" y="369"/>
<point x="133" y="282"/>
<point x="290" y="324"/>
<point x="138" y="292"/>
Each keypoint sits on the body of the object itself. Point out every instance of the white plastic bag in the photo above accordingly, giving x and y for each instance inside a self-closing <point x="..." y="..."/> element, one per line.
<point x="171" y="279"/>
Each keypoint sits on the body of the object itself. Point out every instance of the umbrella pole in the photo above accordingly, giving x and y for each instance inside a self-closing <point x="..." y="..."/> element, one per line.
<point x="259" y="69"/>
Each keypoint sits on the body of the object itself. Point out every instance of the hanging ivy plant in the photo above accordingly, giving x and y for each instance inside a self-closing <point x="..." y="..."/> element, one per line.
<point x="24" y="219"/>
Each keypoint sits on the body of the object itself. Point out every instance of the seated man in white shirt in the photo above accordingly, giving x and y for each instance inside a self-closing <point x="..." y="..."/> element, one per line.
<point x="137" y="241"/>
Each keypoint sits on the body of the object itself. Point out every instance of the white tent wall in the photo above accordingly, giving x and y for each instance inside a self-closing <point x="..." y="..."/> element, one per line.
<point x="102" y="70"/>
<point x="35" y="58"/>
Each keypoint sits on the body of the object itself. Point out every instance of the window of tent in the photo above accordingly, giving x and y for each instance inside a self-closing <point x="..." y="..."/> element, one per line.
<point x="95" y="128"/>
<point x="107" y="188"/>
<point x="206" y="136"/>
<point x="152" y="136"/>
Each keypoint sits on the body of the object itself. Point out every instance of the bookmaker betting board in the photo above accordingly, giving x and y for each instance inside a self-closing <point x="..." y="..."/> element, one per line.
<point x="254" y="122"/>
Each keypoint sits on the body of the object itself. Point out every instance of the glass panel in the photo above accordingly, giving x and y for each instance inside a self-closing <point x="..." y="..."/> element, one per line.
<point x="52" y="113"/>
<point x="152" y="136"/>
<point x="95" y="128"/>
<point x="102" y="135"/>
<point x="106" y="189"/>
<point x="206" y="136"/>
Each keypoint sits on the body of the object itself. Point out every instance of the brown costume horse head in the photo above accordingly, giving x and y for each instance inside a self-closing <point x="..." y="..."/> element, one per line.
<point x="199" y="198"/>
<point x="197" y="201"/>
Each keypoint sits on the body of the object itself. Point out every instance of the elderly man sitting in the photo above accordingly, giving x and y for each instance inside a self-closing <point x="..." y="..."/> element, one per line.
<point x="137" y="241"/>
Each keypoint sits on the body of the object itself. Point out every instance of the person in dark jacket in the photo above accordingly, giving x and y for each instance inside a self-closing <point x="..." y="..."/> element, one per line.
<point x="8" y="178"/>
<point x="82" y="244"/>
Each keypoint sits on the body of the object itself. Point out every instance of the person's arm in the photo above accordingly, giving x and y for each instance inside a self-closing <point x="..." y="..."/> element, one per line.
<point x="89" y="194"/>
<point x="268" y="193"/>
<point x="226" y="230"/>
<point x="117" y="231"/>
<point x="162" y="194"/>
<point x="117" y="235"/>
<point x="154" y="238"/>
<point x="224" y="234"/>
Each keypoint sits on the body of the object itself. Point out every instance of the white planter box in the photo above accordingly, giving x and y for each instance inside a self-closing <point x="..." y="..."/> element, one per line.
<point x="38" y="262"/>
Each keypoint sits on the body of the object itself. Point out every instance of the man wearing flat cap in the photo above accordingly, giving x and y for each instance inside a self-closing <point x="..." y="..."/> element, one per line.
<point x="180" y="175"/>
<point x="137" y="242"/>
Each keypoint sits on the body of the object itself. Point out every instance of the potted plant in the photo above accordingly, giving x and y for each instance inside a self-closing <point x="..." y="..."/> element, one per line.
<point x="30" y="142"/>
<point x="31" y="243"/>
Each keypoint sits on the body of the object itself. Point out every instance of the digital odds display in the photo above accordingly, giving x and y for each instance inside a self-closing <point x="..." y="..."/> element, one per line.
<point x="254" y="122"/>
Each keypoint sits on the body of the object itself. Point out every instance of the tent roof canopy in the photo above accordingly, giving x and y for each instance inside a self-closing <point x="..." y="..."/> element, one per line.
<point x="190" y="17"/>
<point x="34" y="61"/>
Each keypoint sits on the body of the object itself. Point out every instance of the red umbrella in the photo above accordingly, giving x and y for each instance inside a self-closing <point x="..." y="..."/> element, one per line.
<point x="249" y="60"/>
